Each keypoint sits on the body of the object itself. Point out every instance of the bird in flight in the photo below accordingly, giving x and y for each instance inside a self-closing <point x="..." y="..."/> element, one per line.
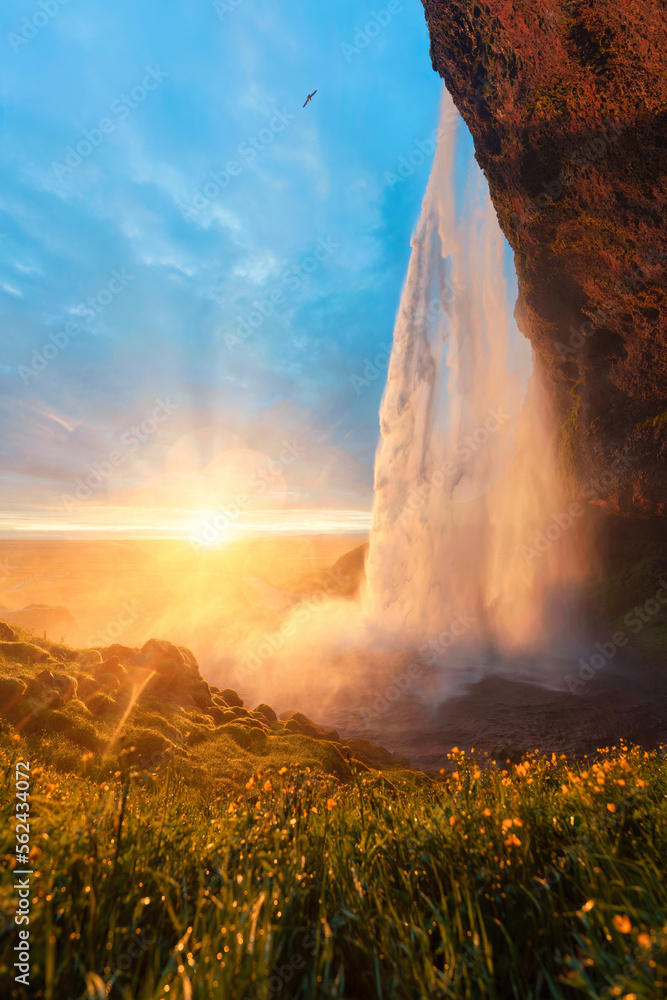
<point x="309" y="98"/>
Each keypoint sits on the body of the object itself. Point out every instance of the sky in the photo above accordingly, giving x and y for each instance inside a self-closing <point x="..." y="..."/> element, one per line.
<point x="198" y="276"/>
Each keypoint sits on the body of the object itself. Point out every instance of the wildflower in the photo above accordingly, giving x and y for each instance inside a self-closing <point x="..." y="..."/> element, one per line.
<point x="642" y="784"/>
<point x="250" y="783"/>
<point x="283" y="770"/>
<point x="330" y="804"/>
<point x="622" y="923"/>
<point x="267" y="785"/>
<point x="513" y="841"/>
<point x="644" y="940"/>
<point x="487" y="812"/>
<point x="611" y="807"/>
<point x="16" y="737"/>
<point x="588" y="905"/>
<point x="506" y="824"/>
<point x="452" y="820"/>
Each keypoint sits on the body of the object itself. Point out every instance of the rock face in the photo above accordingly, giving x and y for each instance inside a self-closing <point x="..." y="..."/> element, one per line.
<point x="567" y="106"/>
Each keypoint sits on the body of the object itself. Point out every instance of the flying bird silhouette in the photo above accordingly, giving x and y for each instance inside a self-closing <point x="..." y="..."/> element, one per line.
<point x="309" y="98"/>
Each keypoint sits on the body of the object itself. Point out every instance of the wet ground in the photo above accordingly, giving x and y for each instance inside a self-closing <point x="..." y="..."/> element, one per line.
<point x="510" y="710"/>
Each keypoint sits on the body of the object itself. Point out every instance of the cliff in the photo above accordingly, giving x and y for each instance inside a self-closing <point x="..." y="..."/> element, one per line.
<point x="567" y="106"/>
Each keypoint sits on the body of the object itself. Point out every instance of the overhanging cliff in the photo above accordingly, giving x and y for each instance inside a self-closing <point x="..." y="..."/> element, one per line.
<point x="567" y="106"/>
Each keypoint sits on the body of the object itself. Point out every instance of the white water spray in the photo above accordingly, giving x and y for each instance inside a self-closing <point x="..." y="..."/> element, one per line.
<point x="465" y="474"/>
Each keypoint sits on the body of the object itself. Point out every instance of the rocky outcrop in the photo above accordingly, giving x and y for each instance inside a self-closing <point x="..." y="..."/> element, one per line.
<point x="567" y="105"/>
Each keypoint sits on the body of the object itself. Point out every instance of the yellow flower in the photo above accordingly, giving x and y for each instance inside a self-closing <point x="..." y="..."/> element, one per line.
<point x="452" y="820"/>
<point x="588" y="905"/>
<point x="330" y="804"/>
<point x="513" y="841"/>
<point x="611" y="807"/>
<point x="622" y="923"/>
<point x="250" y="783"/>
<point x="644" y="940"/>
<point x="267" y="785"/>
<point x="487" y="812"/>
<point x="283" y="770"/>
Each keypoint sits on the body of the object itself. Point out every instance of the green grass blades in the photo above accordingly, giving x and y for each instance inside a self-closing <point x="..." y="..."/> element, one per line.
<point x="542" y="881"/>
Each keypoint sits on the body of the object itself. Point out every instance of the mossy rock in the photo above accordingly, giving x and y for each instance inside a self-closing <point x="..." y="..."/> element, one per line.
<point x="66" y="686"/>
<point x="228" y="716"/>
<point x="304" y="728"/>
<point x="217" y="714"/>
<point x="149" y="746"/>
<point x="24" y="652"/>
<point x="100" y="703"/>
<point x="248" y="721"/>
<point x="375" y="756"/>
<point x="7" y="634"/>
<point x="247" y="737"/>
<point x="117" y="649"/>
<point x="108" y="683"/>
<point x="232" y="698"/>
<point x="266" y="712"/>
<point x="199" y="734"/>
<point x="113" y="666"/>
<point x="88" y="658"/>
<point x="86" y="685"/>
<point x="12" y="690"/>
<point x="59" y="721"/>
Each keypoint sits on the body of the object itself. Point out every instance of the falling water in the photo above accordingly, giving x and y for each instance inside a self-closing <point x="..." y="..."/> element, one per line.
<point x="465" y="474"/>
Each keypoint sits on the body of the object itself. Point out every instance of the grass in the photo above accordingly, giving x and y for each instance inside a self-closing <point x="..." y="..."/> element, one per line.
<point x="545" y="881"/>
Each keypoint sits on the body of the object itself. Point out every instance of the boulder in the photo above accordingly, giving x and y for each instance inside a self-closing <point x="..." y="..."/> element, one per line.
<point x="24" y="652"/>
<point x="99" y="703"/>
<point x="306" y="729"/>
<point x="87" y="685"/>
<point x="45" y="677"/>
<point x="189" y="656"/>
<point x="12" y="690"/>
<point x="111" y="665"/>
<point x="266" y="712"/>
<point x="65" y="685"/>
<point x="89" y="657"/>
<point x="232" y="698"/>
<point x="217" y="714"/>
<point x="164" y="658"/>
<point x="7" y="634"/>
<point x="116" y="649"/>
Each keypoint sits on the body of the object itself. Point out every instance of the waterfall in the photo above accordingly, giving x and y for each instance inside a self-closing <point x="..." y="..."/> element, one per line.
<point x="465" y="474"/>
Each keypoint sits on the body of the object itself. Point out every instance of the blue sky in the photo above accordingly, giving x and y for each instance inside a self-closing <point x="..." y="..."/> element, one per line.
<point x="204" y="296"/>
